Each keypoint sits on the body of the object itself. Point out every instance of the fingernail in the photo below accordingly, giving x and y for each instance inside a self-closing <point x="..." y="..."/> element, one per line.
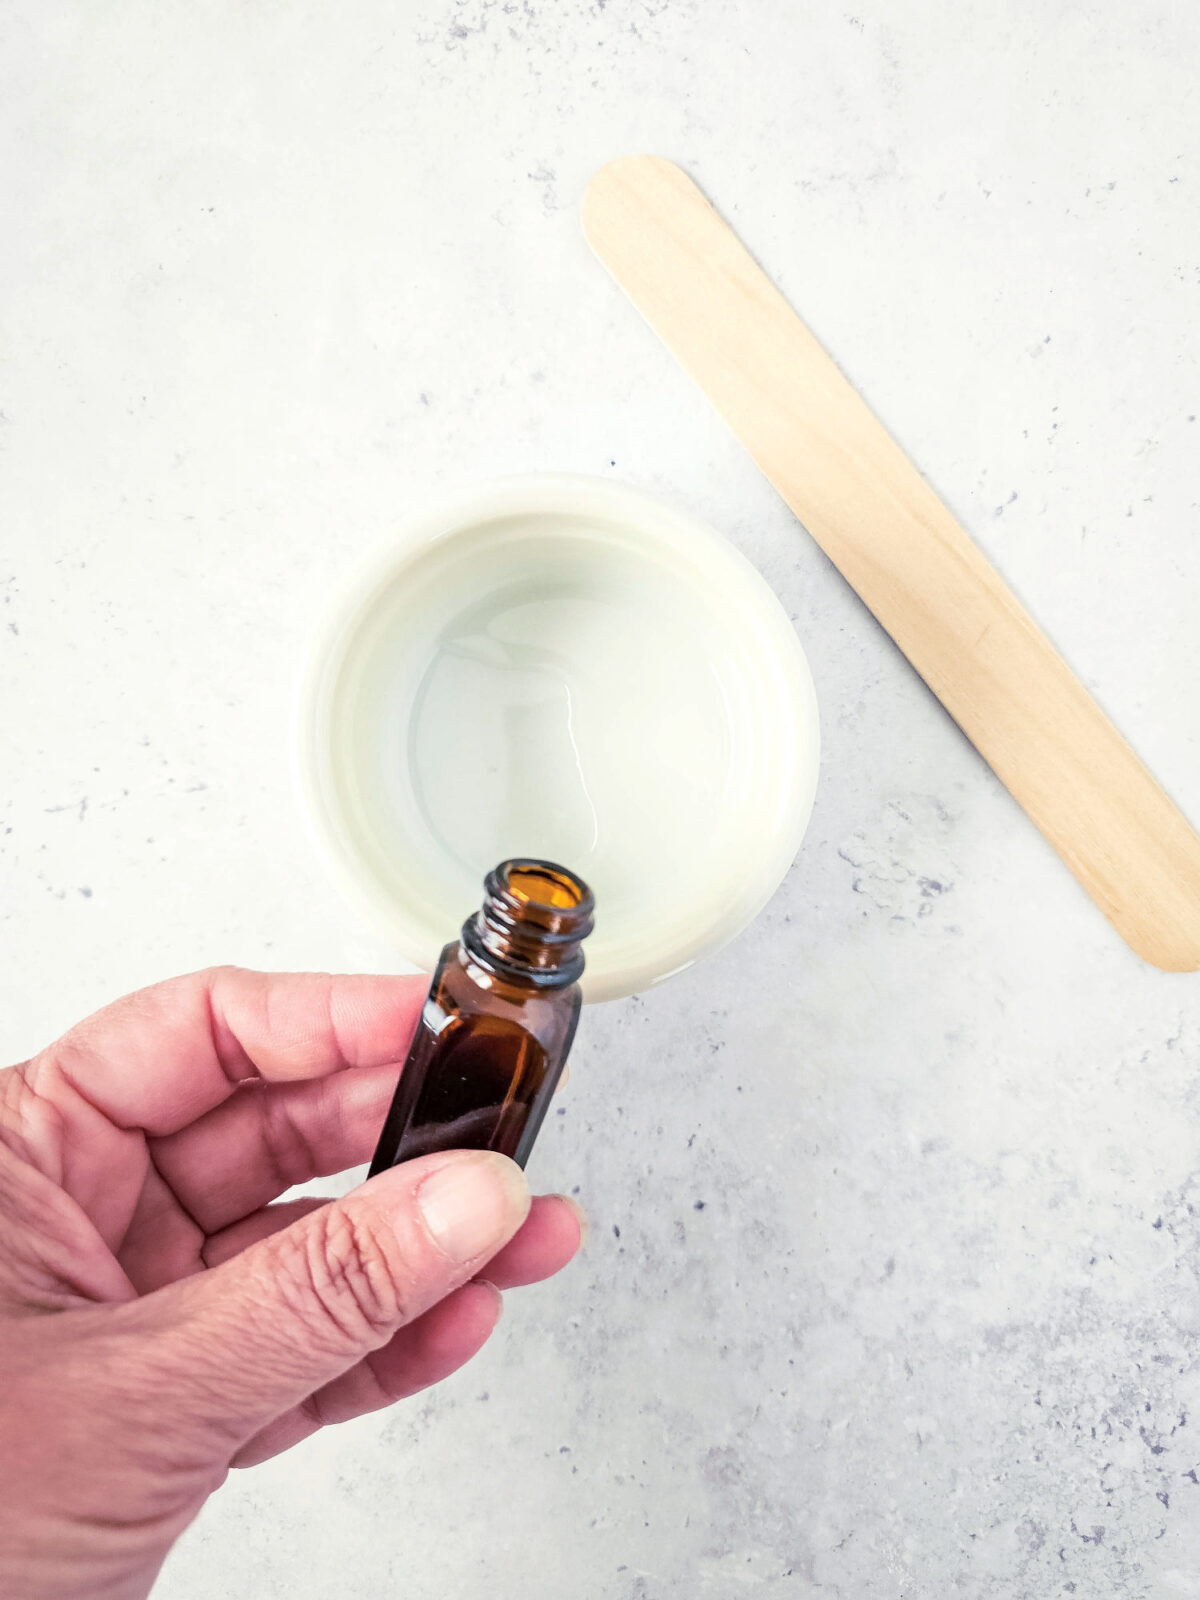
<point x="488" y="1284"/>
<point x="474" y="1204"/>
<point x="580" y="1217"/>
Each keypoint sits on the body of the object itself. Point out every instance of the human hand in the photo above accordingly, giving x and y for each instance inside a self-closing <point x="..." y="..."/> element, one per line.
<point x="160" y="1319"/>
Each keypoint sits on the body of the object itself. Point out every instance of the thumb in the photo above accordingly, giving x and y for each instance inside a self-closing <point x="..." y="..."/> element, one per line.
<point x="240" y="1344"/>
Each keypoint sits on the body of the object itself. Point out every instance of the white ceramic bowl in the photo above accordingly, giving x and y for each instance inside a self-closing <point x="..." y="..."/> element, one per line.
<point x="561" y="667"/>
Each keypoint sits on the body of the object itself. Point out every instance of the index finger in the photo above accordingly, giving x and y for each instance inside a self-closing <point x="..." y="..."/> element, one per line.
<point x="163" y="1056"/>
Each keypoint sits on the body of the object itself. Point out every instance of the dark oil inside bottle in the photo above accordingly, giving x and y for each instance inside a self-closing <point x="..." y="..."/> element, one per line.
<point x="497" y="1024"/>
<point x="481" y="1082"/>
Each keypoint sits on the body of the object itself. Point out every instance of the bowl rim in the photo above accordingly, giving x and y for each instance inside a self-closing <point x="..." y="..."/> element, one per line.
<point x="643" y="516"/>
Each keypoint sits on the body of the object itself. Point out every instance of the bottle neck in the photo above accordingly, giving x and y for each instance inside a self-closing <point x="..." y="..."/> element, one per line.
<point x="532" y="924"/>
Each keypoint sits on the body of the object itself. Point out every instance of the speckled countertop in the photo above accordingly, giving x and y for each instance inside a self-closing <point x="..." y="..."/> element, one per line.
<point x="893" y="1283"/>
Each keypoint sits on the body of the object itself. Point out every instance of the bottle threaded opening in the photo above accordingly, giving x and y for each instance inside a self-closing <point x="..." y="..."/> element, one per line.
<point x="533" y="921"/>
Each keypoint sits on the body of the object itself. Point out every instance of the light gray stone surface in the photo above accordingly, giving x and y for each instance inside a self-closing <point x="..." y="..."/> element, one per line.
<point x="893" y="1283"/>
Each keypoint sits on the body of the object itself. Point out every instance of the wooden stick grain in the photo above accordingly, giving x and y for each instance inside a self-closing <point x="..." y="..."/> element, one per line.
<point x="907" y="557"/>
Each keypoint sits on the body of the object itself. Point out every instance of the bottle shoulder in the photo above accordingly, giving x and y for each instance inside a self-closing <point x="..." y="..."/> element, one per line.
<point x="462" y="988"/>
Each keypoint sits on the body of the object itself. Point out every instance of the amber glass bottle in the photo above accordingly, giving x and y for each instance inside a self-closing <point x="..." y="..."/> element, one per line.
<point x="498" y="1021"/>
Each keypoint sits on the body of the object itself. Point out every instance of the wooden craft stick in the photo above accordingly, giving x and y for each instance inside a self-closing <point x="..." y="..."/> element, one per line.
<point x="907" y="557"/>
